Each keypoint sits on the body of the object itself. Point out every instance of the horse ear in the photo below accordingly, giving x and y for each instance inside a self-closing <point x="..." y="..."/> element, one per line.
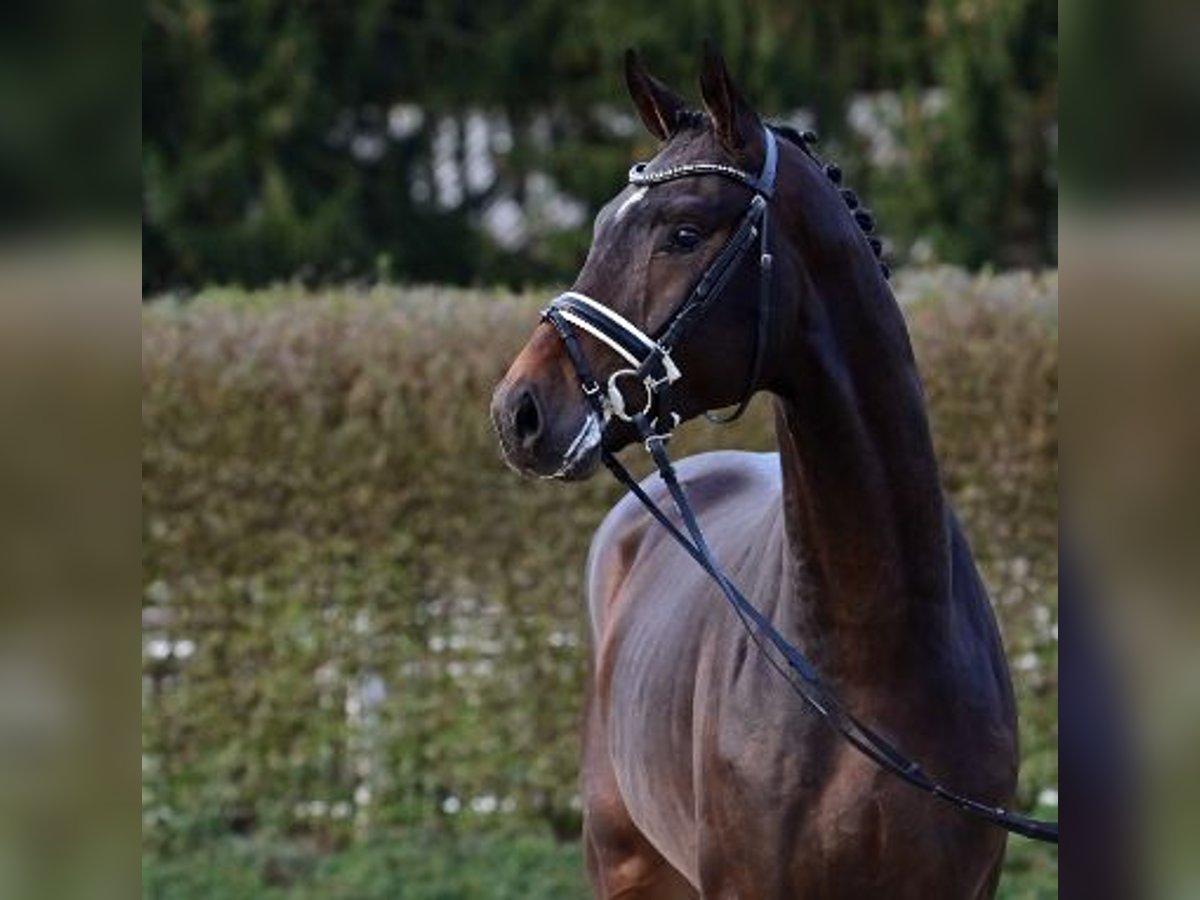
<point x="734" y="120"/>
<point x="657" y="104"/>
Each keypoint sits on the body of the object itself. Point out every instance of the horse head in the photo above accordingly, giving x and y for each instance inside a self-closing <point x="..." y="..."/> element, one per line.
<point x="652" y="245"/>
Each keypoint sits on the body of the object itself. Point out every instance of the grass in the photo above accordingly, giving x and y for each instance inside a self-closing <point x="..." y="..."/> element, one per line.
<point x="411" y="865"/>
<point x="429" y="865"/>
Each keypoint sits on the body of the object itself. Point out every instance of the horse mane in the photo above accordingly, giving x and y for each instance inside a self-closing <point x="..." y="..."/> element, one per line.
<point x="696" y="119"/>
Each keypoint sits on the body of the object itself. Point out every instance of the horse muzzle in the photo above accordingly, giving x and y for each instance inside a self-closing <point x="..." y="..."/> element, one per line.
<point x="544" y="443"/>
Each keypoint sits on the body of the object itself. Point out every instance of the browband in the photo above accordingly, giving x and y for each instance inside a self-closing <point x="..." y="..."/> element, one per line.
<point x="762" y="183"/>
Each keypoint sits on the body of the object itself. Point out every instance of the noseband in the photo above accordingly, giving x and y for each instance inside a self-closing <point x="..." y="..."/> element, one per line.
<point x="651" y="370"/>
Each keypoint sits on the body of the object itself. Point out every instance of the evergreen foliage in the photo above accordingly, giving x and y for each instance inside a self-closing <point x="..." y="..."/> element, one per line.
<point x="298" y="140"/>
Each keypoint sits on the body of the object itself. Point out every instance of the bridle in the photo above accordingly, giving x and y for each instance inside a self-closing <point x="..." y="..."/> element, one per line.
<point x="651" y="368"/>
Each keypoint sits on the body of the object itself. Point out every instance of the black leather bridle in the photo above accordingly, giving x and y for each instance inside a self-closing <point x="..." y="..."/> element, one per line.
<point x="651" y="368"/>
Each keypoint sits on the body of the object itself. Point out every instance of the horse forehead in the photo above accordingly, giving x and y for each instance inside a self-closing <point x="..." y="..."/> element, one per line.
<point x="691" y="146"/>
<point x="635" y="196"/>
<point x="632" y="206"/>
<point x="683" y="149"/>
<point x="618" y="207"/>
<point x="644" y="204"/>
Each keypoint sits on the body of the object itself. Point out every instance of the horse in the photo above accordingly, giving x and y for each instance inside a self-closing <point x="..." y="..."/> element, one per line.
<point x="702" y="776"/>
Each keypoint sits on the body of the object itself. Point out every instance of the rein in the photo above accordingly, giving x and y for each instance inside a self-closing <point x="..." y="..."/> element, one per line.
<point x="652" y="369"/>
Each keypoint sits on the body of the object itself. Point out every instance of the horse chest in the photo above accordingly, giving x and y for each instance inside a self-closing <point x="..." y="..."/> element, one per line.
<point x="692" y="716"/>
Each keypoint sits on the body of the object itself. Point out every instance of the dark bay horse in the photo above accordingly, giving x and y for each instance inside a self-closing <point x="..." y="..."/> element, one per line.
<point x="703" y="775"/>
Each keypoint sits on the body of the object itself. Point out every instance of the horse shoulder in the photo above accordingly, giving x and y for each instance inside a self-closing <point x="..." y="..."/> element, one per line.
<point x="714" y="483"/>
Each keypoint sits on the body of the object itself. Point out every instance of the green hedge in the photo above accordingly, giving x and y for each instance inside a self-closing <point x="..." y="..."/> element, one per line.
<point x="357" y="619"/>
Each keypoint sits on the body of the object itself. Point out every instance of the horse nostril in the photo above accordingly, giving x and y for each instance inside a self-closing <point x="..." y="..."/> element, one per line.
<point x="527" y="420"/>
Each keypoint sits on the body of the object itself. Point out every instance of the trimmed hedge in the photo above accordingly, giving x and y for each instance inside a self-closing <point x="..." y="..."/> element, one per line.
<point x="356" y="618"/>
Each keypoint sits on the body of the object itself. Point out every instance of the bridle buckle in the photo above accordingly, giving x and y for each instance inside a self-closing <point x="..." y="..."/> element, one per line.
<point x="671" y="372"/>
<point x="616" y="400"/>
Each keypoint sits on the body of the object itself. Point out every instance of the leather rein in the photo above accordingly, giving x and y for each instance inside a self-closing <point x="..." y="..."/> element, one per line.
<point x="652" y="371"/>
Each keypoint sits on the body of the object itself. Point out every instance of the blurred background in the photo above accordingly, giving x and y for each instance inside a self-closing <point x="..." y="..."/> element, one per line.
<point x="472" y="142"/>
<point x="362" y="636"/>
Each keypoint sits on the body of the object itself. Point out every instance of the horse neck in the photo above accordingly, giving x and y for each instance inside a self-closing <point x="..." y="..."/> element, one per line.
<point x="864" y="513"/>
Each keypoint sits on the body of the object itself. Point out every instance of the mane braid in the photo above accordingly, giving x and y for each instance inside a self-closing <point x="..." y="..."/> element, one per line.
<point x="862" y="216"/>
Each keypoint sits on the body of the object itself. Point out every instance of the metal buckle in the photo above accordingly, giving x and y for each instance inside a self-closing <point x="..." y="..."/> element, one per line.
<point x="671" y="372"/>
<point x="616" y="400"/>
<point x="661" y="437"/>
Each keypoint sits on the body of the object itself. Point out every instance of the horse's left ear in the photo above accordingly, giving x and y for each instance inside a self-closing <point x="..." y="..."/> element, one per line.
<point x="736" y="123"/>
<point x="658" y="105"/>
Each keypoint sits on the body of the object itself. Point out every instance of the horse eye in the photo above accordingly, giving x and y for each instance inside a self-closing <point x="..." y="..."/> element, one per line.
<point x="685" y="237"/>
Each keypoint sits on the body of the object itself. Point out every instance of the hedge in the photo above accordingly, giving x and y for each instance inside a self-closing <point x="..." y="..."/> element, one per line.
<point x="357" y="618"/>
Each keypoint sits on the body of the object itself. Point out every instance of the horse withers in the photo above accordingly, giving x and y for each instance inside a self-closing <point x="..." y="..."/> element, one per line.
<point x="703" y="776"/>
